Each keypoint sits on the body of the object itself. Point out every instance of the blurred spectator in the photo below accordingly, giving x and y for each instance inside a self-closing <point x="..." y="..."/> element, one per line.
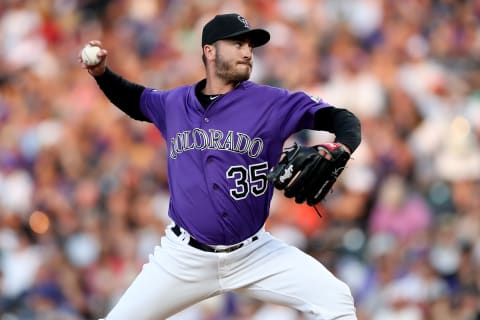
<point x="401" y="212"/>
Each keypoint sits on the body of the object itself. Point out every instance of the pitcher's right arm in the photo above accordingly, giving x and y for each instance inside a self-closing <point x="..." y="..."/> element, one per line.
<point x="122" y="93"/>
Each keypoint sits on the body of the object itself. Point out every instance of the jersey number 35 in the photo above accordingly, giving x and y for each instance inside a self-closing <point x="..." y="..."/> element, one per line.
<point x="248" y="180"/>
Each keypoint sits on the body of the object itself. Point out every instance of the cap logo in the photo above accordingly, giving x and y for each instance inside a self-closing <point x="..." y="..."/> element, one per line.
<point x="244" y="21"/>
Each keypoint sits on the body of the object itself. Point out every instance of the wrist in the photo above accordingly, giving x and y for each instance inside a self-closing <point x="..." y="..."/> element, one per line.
<point x="97" y="72"/>
<point x="334" y="146"/>
<point x="347" y="149"/>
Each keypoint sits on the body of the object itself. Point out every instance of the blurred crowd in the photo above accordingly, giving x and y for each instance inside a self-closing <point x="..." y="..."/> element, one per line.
<point x="84" y="191"/>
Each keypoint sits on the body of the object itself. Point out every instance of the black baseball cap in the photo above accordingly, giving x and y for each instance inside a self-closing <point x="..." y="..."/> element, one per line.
<point x="232" y="25"/>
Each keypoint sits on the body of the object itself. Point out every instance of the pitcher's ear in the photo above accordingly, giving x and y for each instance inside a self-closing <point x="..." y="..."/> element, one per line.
<point x="209" y="51"/>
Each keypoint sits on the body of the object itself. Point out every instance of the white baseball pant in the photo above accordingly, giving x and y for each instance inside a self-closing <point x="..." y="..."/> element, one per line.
<point x="178" y="276"/>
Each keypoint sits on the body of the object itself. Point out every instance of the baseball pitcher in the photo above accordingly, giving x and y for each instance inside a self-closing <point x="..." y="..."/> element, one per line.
<point x="225" y="137"/>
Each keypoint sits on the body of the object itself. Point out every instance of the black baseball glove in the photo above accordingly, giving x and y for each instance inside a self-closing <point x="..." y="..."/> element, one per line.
<point x="308" y="173"/>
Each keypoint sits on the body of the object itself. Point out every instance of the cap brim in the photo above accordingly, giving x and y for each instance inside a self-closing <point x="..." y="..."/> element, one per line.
<point x="258" y="37"/>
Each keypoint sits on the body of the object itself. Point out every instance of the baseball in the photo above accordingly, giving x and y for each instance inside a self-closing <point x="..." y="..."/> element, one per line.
<point x="89" y="55"/>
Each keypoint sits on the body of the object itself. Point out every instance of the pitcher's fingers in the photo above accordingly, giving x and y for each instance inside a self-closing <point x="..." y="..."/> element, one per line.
<point x="96" y="43"/>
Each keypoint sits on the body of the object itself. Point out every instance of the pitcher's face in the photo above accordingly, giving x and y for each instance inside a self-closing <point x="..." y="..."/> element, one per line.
<point x="233" y="60"/>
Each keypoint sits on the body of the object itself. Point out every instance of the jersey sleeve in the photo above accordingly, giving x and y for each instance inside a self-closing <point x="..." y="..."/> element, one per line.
<point x="296" y="111"/>
<point x="152" y="104"/>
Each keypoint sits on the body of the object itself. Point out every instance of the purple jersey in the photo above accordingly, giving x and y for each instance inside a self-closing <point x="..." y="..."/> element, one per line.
<point x="219" y="156"/>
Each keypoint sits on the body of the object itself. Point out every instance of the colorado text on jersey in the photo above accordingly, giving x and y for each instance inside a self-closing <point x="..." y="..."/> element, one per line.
<point x="199" y="139"/>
